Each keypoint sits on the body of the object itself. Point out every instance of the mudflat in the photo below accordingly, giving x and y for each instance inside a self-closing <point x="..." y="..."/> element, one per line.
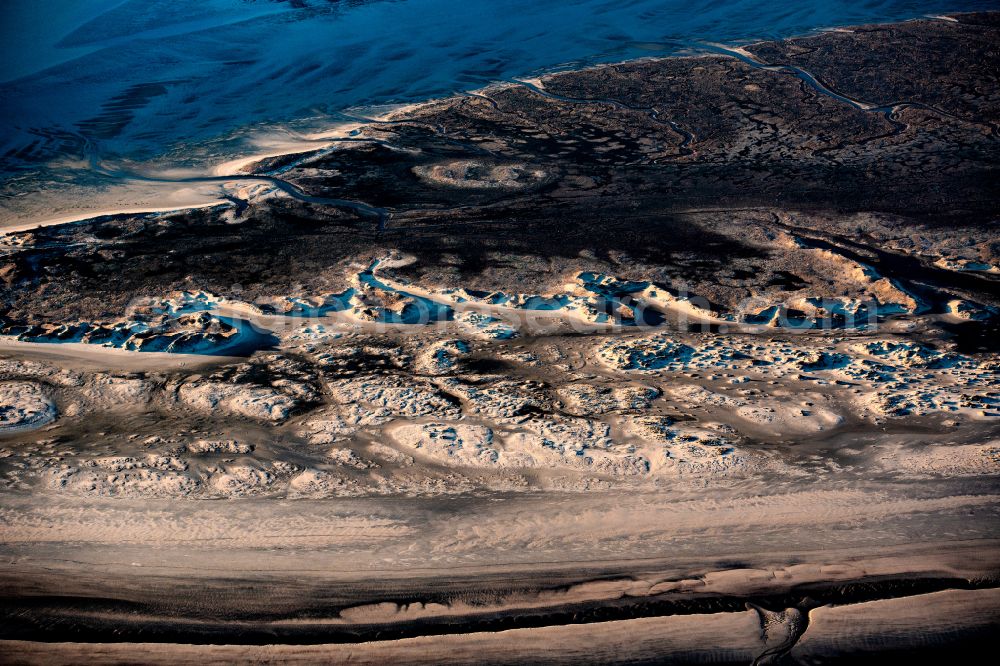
<point x="688" y="359"/>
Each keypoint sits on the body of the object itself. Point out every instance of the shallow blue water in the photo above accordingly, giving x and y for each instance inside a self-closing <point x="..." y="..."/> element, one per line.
<point x="136" y="78"/>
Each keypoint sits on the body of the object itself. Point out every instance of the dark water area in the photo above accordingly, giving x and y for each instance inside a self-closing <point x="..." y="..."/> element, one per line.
<point x="137" y="79"/>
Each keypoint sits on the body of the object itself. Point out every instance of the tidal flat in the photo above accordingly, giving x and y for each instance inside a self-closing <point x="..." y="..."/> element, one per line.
<point x="687" y="360"/>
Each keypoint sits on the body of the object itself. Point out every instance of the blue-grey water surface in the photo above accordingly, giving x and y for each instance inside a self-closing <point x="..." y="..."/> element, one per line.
<point x="136" y="78"/>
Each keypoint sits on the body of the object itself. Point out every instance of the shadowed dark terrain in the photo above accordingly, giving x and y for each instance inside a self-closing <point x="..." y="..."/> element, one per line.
<point x="758" y="422"/>
<point x="652" y="167"/>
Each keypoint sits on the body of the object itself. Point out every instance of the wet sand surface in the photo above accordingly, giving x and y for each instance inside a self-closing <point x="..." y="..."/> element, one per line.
<point x="680" y="360"/>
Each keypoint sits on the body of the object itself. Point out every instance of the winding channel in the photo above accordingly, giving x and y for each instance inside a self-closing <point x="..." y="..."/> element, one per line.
<point x="380" y="214"/>
<point x="687" y="137"/>
<point x="888" y="110"/>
